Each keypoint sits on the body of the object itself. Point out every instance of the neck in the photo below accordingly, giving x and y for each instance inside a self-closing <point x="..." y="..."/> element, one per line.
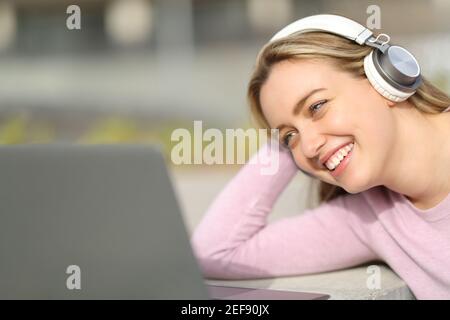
<point x="419" y="164"/>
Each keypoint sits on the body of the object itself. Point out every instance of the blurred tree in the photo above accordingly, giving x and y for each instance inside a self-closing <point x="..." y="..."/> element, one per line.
<point x="111" y="130"/>
<point x="13" y="131"/>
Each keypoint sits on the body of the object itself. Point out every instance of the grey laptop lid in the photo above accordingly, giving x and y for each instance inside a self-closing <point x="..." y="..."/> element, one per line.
<point x="98" y="222"/>
<point x="108" y="210"/>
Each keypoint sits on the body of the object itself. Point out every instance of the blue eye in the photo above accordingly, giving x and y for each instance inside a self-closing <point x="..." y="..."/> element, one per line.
<point x="319" y="104"/>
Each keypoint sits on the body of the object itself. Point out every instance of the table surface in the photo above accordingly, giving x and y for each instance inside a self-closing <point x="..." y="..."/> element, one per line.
<point x="348" y="284"/>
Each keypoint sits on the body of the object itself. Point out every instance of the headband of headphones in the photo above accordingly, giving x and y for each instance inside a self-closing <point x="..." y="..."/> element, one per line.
<point x="330" y="23"/>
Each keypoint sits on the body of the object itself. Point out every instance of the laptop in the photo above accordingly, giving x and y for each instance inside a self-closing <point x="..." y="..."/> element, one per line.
<point x="98" y="222"/>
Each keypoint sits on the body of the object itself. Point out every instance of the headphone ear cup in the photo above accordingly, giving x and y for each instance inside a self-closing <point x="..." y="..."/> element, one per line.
<point x="380" y="84"/>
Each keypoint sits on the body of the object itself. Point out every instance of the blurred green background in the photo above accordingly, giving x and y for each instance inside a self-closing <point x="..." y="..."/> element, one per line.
<point x="138" y="69"/>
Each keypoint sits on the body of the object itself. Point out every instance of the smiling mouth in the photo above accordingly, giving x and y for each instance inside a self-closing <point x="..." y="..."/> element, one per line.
<point x="336" y="159"/>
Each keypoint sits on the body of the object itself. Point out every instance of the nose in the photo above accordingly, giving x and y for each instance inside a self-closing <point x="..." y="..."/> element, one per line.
<point x="311" y="142"/>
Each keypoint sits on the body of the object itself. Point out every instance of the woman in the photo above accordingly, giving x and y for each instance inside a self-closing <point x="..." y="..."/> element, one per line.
<point x="383" y="166"/>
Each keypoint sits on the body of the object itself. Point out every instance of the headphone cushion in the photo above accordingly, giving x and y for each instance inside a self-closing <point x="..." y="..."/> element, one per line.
<point x="380" y="84"/>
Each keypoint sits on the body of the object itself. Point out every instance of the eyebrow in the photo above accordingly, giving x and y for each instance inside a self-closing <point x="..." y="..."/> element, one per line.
<point x="299" y="105"/>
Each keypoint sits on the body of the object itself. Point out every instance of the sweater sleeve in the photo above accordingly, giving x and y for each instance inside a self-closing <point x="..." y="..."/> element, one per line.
<point x="234" y="240"/>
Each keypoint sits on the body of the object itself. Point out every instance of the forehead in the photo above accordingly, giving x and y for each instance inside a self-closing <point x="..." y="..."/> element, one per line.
<point x="289" y="81"/>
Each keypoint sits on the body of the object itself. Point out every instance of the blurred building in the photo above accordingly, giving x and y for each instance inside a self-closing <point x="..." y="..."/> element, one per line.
<point x="138" y="68"/>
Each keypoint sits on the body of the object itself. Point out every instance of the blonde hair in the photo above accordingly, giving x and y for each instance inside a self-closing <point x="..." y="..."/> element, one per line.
<point x="345" y="55"/>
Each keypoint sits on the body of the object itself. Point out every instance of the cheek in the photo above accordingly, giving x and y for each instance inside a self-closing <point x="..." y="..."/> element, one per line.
<point x="301" y="162"/>
<point x="375" y="127"/>
<point x="374" y="132"/>
<point x="338" y="121"/>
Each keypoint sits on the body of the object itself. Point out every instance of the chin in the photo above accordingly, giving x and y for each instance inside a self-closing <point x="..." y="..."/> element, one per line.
<point x="356" y="183"/>
<point x="353" y="190"/>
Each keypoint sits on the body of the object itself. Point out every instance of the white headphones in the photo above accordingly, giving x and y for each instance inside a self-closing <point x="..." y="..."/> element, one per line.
<point x="392" y="70"/>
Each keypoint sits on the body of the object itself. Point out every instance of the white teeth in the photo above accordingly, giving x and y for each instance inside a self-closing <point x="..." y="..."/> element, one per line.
<point x="335" y="159"/>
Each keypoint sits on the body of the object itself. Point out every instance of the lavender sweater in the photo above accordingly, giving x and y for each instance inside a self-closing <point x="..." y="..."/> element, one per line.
<point x="234" y="240"/>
